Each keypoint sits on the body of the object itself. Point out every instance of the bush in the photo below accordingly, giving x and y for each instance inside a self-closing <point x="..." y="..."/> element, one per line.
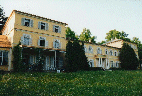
<point x="95" y="68"/>
<point x="113" y="68"/>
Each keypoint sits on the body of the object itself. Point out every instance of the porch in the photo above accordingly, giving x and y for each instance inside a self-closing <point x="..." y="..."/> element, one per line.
<point x="51" y="59"/>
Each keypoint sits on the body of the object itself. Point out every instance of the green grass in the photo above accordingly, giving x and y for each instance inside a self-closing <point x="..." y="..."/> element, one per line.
<point x="91" y="83"/>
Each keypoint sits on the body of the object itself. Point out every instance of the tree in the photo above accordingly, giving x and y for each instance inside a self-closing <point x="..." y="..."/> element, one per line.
<point x="86" y="36"/>
<point x="75" y="57"/>
<point x="2" y="17"/>
<point x="102" y="42"/>
<point x="113" y="34"/>
<point x="70" y="34"/>
<point x="17" y="59"/>
<point x="128" y="58"/>
<point x="69" y="57"/>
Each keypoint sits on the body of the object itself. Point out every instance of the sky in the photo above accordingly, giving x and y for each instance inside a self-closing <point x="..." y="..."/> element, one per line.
<point x="100" y="16"/>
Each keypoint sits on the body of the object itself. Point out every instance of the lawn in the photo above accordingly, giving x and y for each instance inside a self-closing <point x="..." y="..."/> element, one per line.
<point x="88" y="83"/>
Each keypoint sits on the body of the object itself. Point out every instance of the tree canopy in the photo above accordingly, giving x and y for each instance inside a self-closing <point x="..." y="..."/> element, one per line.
<point x="128" y="58"/>
<point x="86" y="36"/>
<point x="114" y="34"/>
<point x="70" y="34"/>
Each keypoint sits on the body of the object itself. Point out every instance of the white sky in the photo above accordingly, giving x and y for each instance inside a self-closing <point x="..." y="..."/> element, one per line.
<point x="100" y="16"/>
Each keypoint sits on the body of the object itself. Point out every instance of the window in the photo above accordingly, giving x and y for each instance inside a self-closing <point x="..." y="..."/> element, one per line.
<point x="42" y="42"/>
<point x="90" y="49"/>
<point x="106" y="51"/>
<point x="56" y="44"/>
<point x="42" y="26"/>
<point x="115" y="53"/>
<point x="56" y="29"/>
<point x="111" y="62"/>
<point x="99" y="51"/>
<point x="3" y="58"/>
<point x="111" y="53"/>
<point x="116" y="64"/>
<point x="26" y="39"/>
<point x="27" y="22"/>
<point x="85" y="49"/>
<point x="91" y="63"/>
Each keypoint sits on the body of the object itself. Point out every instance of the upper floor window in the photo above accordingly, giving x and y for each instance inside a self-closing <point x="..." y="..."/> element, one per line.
<point x="56" y="29"/>
<point x="27" y="22"/>
<point x="111" y="53"/>
<point x="3" y="57"/>
<point x="42" y="26"/>
<point x="56" y="44"/>
<point x="85" y="49"/>
<point x="106" y="51"/>
<point x="115" y="53"/>
<point x="26" y="39"/>
<point x="42" y="42"/>
<point x="99" y="51"/>
<point x="90" y="49"/>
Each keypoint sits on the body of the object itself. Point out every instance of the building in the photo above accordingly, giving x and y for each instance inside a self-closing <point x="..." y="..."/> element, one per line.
<point x="39" y="32"/>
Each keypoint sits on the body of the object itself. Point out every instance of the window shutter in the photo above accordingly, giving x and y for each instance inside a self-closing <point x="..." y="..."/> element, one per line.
<point x="46" y="43"/>
<point x="59" y="29"/>
<point x="22" y="40"/>
<point x="60" y="45"/>
<point x="38" y="42"/>
<point x="53" y="28"/>
<point x="31" y="23"/>
<point x="30" y="41"/>
<point x="46" y="26"/>
<point x="39" y="25"/>
<point x="23" y="21"/>
<point x="54" y="44"/>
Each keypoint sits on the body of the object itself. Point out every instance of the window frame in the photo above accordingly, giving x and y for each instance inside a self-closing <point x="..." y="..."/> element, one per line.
<point x="23" y="39"/>
<point x="2" y="57"/>
<point x="54" y="28"/>
<point x="54" y="43"/>
<point x="30" y="22"/>
<point x="45" y="41"/>
<point x="90" y="49"/>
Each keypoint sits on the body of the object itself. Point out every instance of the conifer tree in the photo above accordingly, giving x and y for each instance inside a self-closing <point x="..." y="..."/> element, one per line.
<point x="128" y="58"/>
<point x="3" y="18"/>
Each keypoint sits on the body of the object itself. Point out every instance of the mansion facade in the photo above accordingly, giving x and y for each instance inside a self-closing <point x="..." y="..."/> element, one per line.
<point x="39" y="32"/>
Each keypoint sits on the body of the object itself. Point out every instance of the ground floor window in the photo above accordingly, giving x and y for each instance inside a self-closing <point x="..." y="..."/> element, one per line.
<point x="3" y="58"/>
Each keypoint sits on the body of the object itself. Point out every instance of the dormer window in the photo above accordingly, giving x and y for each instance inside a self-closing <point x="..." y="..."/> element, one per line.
<point x="27" y="22"/>
<point x="56" y="29"/>
<point x="42" y="26"/>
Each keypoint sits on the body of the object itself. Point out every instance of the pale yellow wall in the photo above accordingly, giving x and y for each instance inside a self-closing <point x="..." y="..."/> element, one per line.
<point x="35" y="25"/>
<point x="103" y="55"/>
<point x="19" y="33"/>
<point x="8" y="29"/>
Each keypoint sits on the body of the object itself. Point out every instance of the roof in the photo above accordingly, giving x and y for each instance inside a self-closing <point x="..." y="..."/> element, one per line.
<point x="4" y="41"/>
<point x="38" y="16"/>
